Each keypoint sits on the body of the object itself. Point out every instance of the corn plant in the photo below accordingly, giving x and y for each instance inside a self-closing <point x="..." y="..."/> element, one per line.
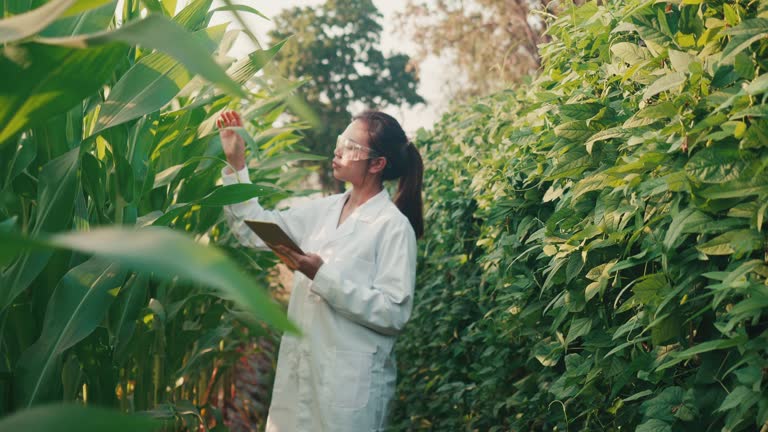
<point x="597" y="256"/>
<point x="109" y="162"/>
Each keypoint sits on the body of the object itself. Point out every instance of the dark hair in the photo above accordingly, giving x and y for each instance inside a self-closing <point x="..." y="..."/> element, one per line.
<point x="387" y="138"/>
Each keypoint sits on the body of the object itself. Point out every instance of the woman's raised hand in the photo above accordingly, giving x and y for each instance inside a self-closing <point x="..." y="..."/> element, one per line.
<point x="231" y="142"/>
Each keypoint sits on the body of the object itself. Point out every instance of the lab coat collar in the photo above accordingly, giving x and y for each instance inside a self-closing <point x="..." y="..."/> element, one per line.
<point x="366" y="213"/>
<point x="371" y="208"/>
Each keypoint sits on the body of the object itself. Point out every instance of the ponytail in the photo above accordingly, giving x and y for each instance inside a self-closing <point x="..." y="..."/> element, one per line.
<point x="408" y="198"/>
<point x="387" y="138"/>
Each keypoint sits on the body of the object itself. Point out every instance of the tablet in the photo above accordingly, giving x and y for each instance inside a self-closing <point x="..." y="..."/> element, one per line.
<point x="271" y="233"/>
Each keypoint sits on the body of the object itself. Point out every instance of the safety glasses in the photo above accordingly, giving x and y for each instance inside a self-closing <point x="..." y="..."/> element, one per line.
<point x="349" y="150"/>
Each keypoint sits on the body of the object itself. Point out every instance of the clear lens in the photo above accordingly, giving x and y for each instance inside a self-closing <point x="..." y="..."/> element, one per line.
<point x="351" y="151"/>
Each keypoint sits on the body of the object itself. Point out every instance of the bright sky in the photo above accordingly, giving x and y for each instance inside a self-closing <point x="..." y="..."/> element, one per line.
<point x="432" y="70"/>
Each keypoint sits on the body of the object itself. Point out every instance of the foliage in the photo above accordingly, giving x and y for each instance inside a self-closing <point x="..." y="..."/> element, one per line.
<point x="335" y="48"/>
<point x="110" y="161"/>
<point x="596" y="254"/>
<point x="491" y="43"/>
<point x="71" y="416"/>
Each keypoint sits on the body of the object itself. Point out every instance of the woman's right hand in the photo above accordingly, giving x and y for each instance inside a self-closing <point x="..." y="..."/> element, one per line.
<point x="231" y="142"/>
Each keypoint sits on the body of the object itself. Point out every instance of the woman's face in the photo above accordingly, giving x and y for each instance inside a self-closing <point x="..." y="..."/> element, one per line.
<point x="353" y="171"/>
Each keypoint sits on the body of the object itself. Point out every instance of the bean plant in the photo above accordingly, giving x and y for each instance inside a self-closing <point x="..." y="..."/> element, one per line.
<point x="596" y="254"/>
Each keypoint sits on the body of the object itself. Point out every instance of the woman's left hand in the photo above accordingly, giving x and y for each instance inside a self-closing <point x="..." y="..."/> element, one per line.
<point x="308" y="264"/>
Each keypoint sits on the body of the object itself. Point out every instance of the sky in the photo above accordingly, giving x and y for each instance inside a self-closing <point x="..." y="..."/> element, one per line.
<point x="433" y="70"/>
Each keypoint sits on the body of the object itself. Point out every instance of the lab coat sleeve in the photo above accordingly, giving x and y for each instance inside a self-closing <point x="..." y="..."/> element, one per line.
<point x="293" y="221"/>
<point x="385" y="305"/>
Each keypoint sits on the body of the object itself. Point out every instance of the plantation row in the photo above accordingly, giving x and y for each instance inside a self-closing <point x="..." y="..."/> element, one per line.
<point x="596" y="253"/>
<point x="103" y="123"/>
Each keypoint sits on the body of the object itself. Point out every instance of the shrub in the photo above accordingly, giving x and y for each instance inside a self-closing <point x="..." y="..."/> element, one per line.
<point x="596" y="253"/>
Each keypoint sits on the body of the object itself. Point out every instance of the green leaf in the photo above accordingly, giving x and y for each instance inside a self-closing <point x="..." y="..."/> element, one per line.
<point x="14" y="245"/>
<point x="577" y="365"/>
<point x="548" y="353"/>
<point x="580" y="111"/>
<point x="205" y="344"/>
<point x="614" y="132"/>
<point x="651" y="288"/>
<point x="158" y="32"/>
<point x="758" y="86"/>
<point x="169" y="6"/>
<point x="194" y="15"/>
<point x="743" y="66"/>
<point x="681" y="60"/>
<point x="147" y="86"/>
<point x="756" y="135"/>
<point x="244" y="69"/>
<point x="715" y="165"/>
<point x="657" y="40"/>
<point x="684" y="222"/>
<point x="49" y="80"/>
<point x="666" y="330"/>
<point x="25" y="153"/>
<point x="579" y="327"/>
<point x="283" y="159"/>
<point x="654" y="425"/>
<point x="573" y="130"/>
<point x="124" y="178"/>
<point x="739" y="243"/>
<point x="240" y="8"/>
<point x="76" y="417"/>
<point x="665" y="109"/>
<point x="77" y="306"/>
<point x="739" y="397"/>
<point x="125" y="311"/>
<point x="742" y="36"/>
<point x="27" y="24"/>
<point x="172" y="213"/>
<point x="169" y="254"/>
<point x="55" y="200"/>
<point x="631" y="53"/>
<point x="638" y="395"/>
<point x="81" y="6"/>
<point x="600" y="276"/>
<point x="672" y="80"/>
<point x="731" y="17"/>
<point x="711" y="345"/>
<point x="662" y="407"/>
<point x="89" y="21"/>
<point x="232" y="194"/>
<point x="731" y="190"/>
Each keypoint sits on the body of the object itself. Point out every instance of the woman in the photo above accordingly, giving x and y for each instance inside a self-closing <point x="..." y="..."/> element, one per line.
<point x="354" y="293"/>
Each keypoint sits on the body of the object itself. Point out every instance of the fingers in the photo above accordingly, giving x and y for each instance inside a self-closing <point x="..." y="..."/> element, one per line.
<point x="287" y="259"/>
<point x="229" y="118"/>
<point x="290" y="253"/>
<point x="221" y="122"/>
<point x="291" y="264"/>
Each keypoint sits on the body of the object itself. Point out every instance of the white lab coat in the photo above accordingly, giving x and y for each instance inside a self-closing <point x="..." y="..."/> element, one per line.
<point x="340" y="376"/>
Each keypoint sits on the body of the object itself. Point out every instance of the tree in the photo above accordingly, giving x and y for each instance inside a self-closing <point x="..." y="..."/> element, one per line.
<point x="335" y="48"/>
<point x="491" y="42"/>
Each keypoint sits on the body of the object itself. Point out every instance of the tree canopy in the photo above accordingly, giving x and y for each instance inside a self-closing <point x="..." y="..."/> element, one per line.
<point x="335" y="47"/>
<point x="492" y="43"/>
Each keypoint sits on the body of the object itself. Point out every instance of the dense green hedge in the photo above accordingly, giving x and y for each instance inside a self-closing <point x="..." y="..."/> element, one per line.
<point x="596" y="251"/>
<point x="110" y="167"/>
